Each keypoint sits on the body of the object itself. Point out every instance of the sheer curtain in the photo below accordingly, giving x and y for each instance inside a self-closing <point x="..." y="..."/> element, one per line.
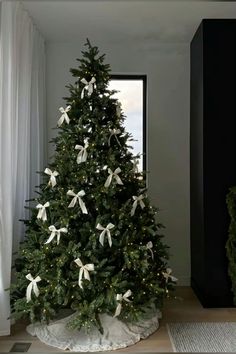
<point x="22" y="132"/>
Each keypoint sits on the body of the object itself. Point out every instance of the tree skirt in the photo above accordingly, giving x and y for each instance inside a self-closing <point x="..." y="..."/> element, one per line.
<point x="117" y="334"/>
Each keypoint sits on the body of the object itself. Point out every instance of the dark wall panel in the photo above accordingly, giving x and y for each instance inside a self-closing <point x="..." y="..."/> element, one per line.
<point x="213" y="108"/>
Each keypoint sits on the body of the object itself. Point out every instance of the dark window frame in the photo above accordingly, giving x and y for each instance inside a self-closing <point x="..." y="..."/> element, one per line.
<point x="144" y="79"/>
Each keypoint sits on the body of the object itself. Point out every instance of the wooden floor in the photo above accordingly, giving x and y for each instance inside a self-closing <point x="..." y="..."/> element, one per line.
<point x="184" y="307"/>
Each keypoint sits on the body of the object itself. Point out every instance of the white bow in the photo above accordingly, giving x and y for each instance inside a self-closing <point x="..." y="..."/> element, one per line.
<point x="135" y="203"/>
<point x="84" y="270"/>
<point x="114" y="132"/>
<point x="88" y="86"/>
<point x="115" y="175"/>
<point x="64" y="115"/>
<point x="149" y="246"/>
<point x="42" y="214"/>
<point x="77" y="197"/>
<point x="105" y="230"/>
<point x="82" y="155"/>
<point x="32" y="286"/>
<point x="52" y="175"/>
<point x="56" y="232"/>
<point x="120" y="297"/>
<point x="168" y="275"/>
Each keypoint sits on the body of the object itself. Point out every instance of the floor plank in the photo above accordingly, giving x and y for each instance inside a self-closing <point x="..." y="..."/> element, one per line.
<point x="183" y="306"/>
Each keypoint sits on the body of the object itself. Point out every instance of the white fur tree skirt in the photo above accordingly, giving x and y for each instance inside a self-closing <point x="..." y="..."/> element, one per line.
<point x="116" y="334"/>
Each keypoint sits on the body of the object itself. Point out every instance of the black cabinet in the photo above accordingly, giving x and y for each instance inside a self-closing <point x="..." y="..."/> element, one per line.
<point x="212" y="157"/>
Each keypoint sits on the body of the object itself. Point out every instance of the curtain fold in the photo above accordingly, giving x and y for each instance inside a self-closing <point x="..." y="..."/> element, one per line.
<point x="22" y="133"/>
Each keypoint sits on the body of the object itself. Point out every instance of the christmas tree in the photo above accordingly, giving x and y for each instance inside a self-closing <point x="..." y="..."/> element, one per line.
<point x="92" y="243"/>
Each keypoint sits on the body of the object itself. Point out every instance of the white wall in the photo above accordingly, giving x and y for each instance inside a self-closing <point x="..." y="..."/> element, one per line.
<point x="167" y="69"/>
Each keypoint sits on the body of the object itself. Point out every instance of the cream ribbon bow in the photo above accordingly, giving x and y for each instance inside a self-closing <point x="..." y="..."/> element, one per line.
<point x="56" y="232"/>
<point x="149" y="246"/>
<point x="120" y="297"/>
<point x="105" y="230"/>
<point x="137" y="200"/>
<point x="167" y="275"/>
<point x="77" y="197"/>
<point x="88" y="86"/>
<point x="42" y="214"/>
<point x="113" y="174"/>
<point x="114" y="132"/>
<point x="84" y="271"/>
<point x="64" y="115"/>
<point x="32" y="286"/>
<point x="82" y="155"/>
<point x="52" y="175"/>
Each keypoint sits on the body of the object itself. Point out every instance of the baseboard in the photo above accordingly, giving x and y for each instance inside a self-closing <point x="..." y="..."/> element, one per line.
<point x="4" y="333"/>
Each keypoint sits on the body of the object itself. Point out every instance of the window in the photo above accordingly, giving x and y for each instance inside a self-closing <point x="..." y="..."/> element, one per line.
<point x="132" y="95"/>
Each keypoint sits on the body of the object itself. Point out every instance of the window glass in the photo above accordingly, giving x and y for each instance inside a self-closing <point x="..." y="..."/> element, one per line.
<point x="130" y="96"/>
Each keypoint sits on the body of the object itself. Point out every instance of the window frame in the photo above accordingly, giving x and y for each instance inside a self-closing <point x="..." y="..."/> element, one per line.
<point x="144" y="80"/>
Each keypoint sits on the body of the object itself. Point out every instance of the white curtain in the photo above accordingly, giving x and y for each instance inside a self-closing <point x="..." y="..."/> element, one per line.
<point x="22" y="133"/>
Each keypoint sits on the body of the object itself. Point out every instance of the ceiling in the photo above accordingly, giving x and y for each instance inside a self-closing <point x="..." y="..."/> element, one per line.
<point x="120" y="21"/>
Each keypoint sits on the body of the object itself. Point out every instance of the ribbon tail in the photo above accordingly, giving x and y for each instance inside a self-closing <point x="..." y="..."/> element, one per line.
<point x="117" y="140"/>
<point x="60" y="121"/>
<point x="82" y="206"/>
<point x="86" y="274"/>
<point x="133" y="209"/>
<point x="109" y="238"/>
<point x="118" y="180"/>
<point x="82" y="93"/>
<point x="173" y="278"/>
<point x="79" y="158"/>
<point x="108" y="181"/>
<point x="50" y="238"/>
<point x="118" y="310"/>
<point x="39" y="216"/>
<point x="53" y="181"/>
<point x="58" y="238"/>
<point x="85" y="155"/>
<point x="28" y="292"/>
<point x="142" y="204"/>
<point x="101" y="238"/>
<point x="80" y="278"/>
<point x="90" y="89"/>
<point x="72" y="203"/>
<point x="36" y="290"/>
<point x="152" y="253"/>
<point x="67" y="118"/>
<point x="44" y="215"/>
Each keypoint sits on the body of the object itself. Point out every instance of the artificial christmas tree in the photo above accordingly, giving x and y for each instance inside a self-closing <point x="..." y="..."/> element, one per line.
<point x="92" y="243"/>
